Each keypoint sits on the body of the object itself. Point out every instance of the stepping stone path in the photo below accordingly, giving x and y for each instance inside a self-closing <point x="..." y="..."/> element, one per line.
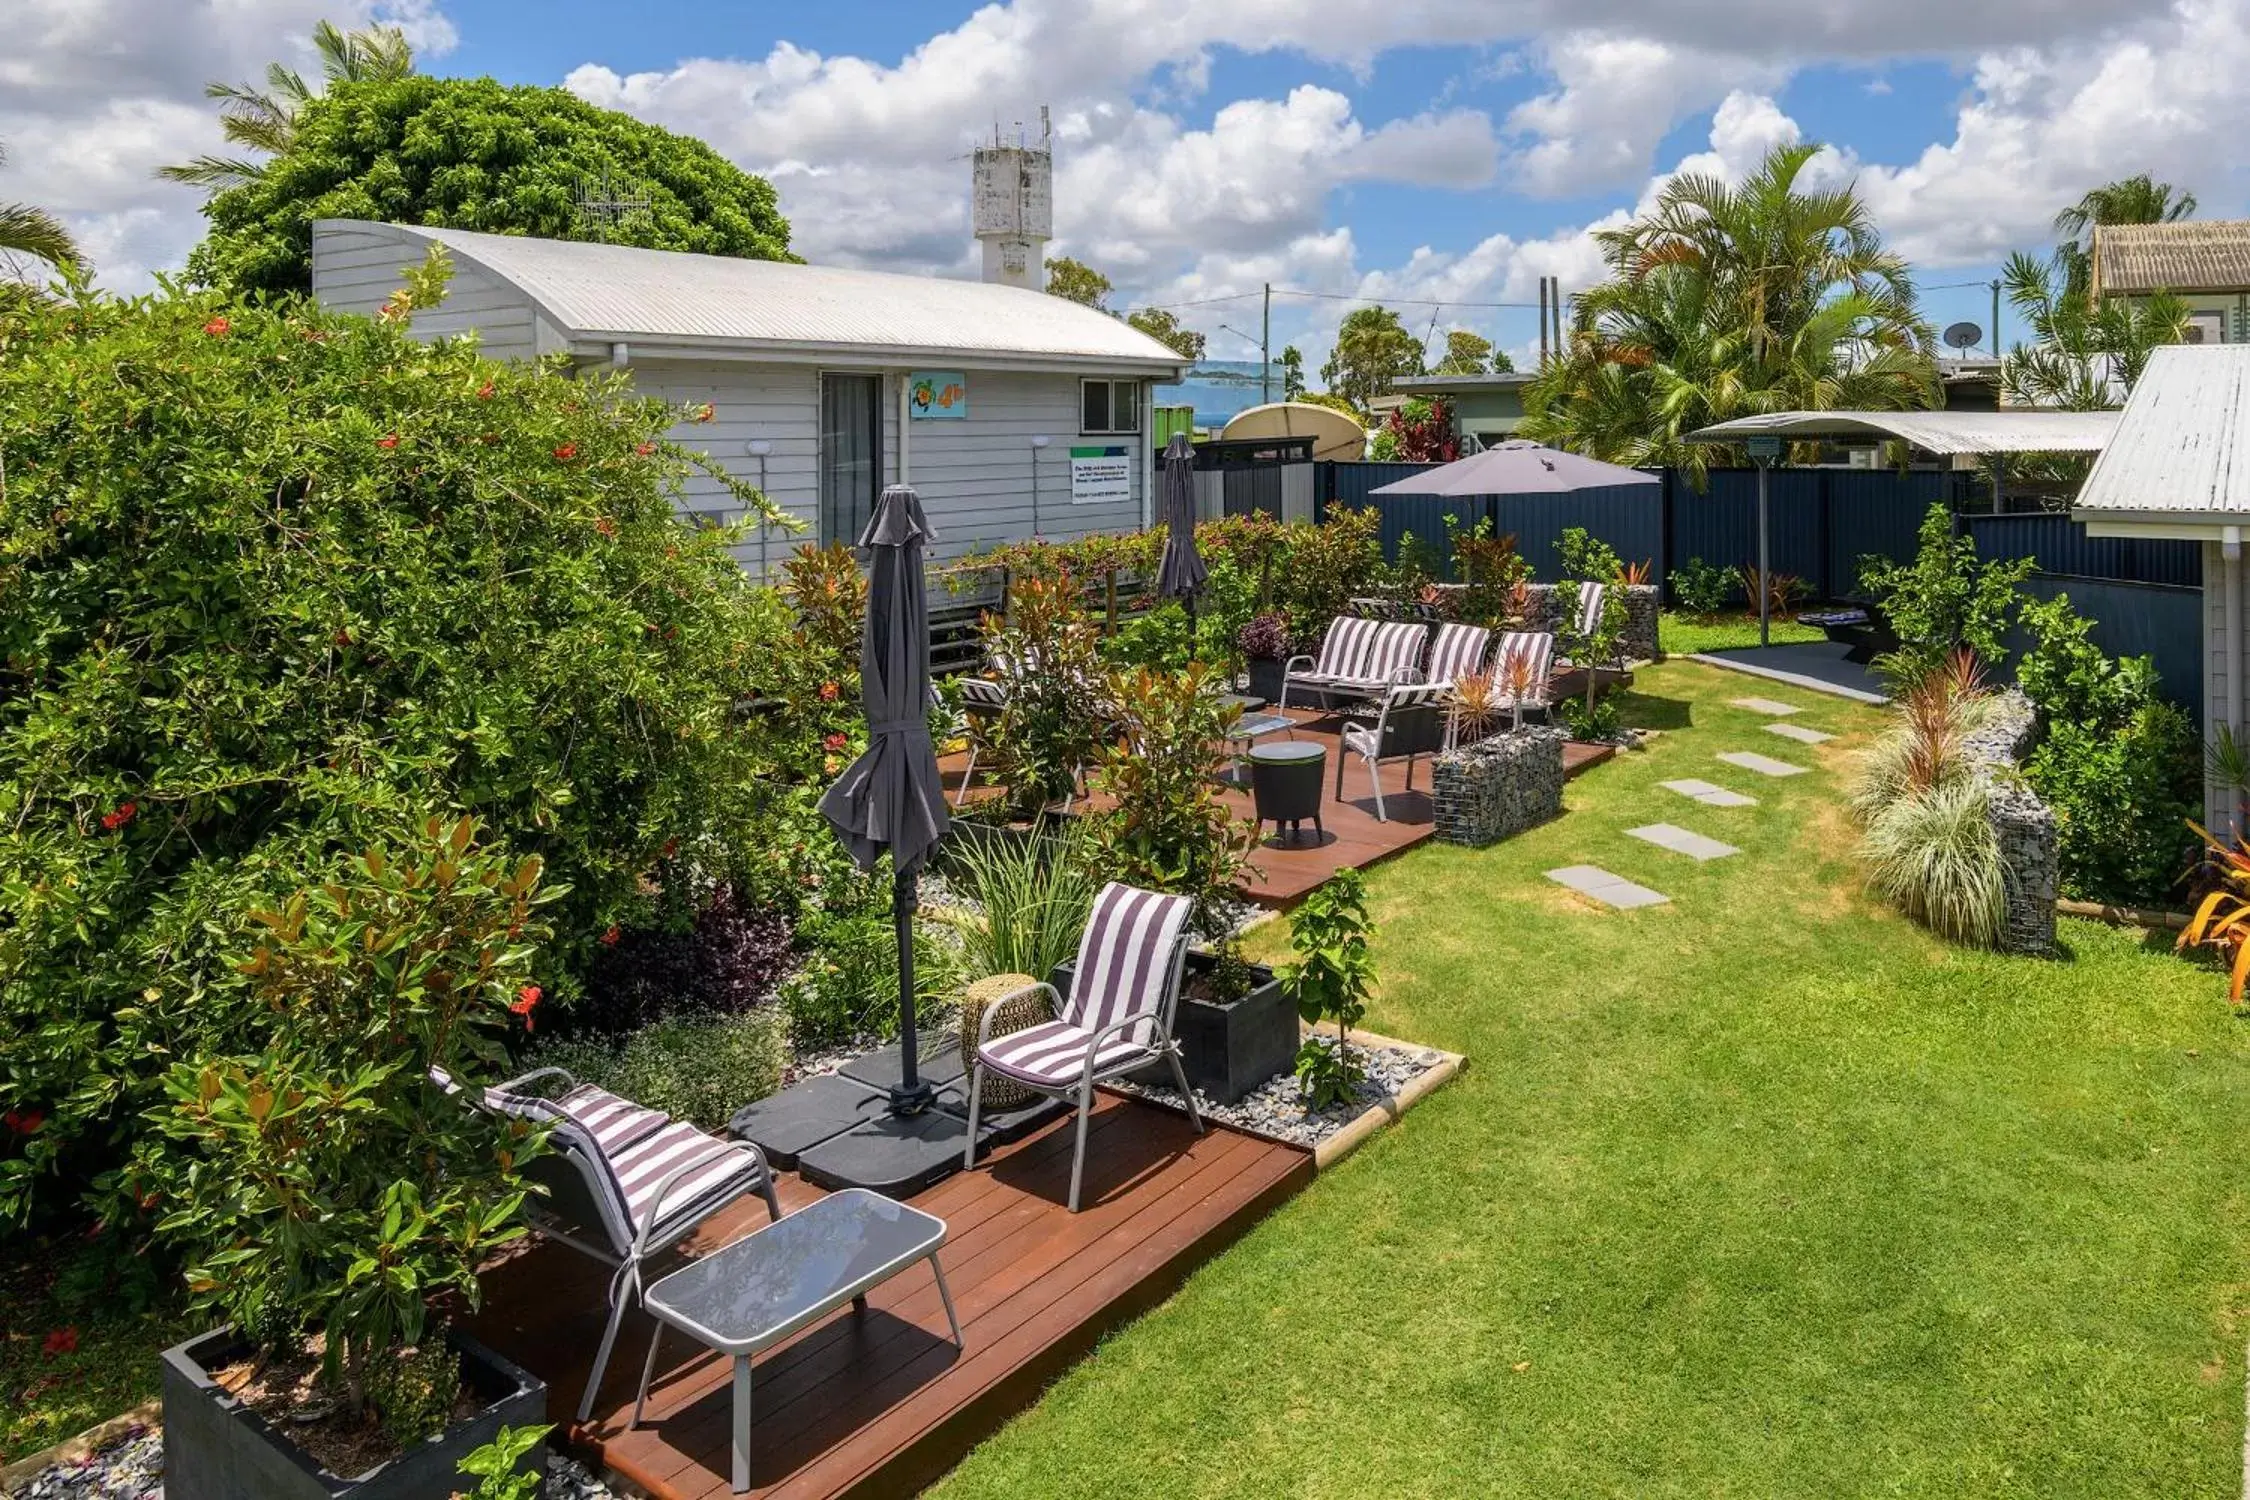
<point x="1764" y="765"/>
<point x="1610" y="890"/>
<point x="1708" y="794"/>
<point x="1683" y="841"/>
<point x="1766" y="706"/>
<point x="1800" y="733"/>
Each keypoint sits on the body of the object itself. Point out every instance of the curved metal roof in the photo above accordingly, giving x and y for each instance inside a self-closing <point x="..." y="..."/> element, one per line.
<point x="621" y="293"/>
<point x="1945" y="432"/>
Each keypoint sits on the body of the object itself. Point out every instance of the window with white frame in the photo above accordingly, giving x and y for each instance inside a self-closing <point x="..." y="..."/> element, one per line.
<point x="1109" y="406"/>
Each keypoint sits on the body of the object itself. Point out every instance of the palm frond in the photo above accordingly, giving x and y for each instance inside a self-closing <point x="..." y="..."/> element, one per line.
<point x="25" y="230"/>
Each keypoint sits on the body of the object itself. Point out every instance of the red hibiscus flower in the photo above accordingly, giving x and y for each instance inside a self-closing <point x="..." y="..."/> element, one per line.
<point x="23" y="1121"/>
<point x="526" y="999"/>
<point x="484" y="392"/>
<point x="566" y="452"/>
<point x="126" y="812"/>
<point x="610" y="937"/>
<point x="60" y="1341"/>
<point x="606" y="526"/>
<point x="217" y="327"/>
<point x="834" y="743"/>
<point x="387" y="440"/>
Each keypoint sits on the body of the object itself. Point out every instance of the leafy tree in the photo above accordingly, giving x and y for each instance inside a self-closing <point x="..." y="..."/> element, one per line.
<point x="2083" y="356"/>
<point x="1333" y="402"/>
<point x="469" y="153"/>
<point x="1292" y="364"/>
<point x="1163" y="327"/>
<point x="1467" y="353"/>
<point x="34" y="232"/>
<point x="1944" y="600"/>
<point x="1372" y="349"/>
<point x="265" y="120"/>
<point x="280" y="584"/>
<point x="1075" y="281"/>
<point x="1726" y="300"/>
<point x="2130" y="200"/>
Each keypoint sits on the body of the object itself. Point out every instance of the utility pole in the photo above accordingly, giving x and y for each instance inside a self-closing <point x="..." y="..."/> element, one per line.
<point x="1265" y="350"/>
<point x="1542" y="322"/>
<point x="1996" y="317"/>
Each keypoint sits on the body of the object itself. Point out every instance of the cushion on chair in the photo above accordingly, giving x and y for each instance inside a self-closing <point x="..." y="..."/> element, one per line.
<point x="1054" y="1054"/>
<point x="1125" y="957"/>
<point x="641" y="1170"/>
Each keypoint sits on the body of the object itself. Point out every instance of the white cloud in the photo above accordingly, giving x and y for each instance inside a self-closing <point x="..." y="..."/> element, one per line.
<point x="1618" y="97"/>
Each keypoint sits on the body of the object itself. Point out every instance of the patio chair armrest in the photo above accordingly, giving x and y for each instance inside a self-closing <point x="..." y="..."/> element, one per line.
<point x="992" y="1008"/>
<point x="1289" y="664"/>
<point x="696" y="1163"/>
<point x="515" y="1085"/>
<point x="1155" y="1018"/>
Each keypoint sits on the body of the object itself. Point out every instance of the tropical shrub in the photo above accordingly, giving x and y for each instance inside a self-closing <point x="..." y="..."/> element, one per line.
<point x="1586" y="558"/>
<point x="725" y="960"/>
<point x="470" y="153"/>
<point x="2116" y="762"/>
<point x="847" y="988"/>
<point x="1047" y="655"/>
<point x="2222" y="919"/>
<point x="1167" y="829"/>
<point x="318" y="1179"/>
<point x="1702" y="588"/>
<point x="1943" y="600"/>
<point x="1331" y="980"/>
<point x="698" y="1067"/>
<point x="1418" y="431"/>
<point x="278" y="582"/>
<point x="1265" y="637"/>
<point x="1326" y="565"/>
<point x="1488" y="568"/>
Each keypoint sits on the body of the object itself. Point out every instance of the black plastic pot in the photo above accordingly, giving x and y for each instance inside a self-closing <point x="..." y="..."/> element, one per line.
<point x="1266" y="678"/>
<point x="217" y="1449"/>
<point x="1228" y="1049"/>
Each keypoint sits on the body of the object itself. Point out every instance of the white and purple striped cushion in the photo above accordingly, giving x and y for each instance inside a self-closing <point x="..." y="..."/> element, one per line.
<point x="1125" y="958"/>
<point x="1396" y="651"/>
<point x="1054" y="1054"/>
<point x="1536" y="648"/>
<point x="1590" y="599"/>
<point x="612" y="1123"/>
<point x="1458" y="652"/>
<point x="1343" y="651"/>
<point x="641" y="1170"/>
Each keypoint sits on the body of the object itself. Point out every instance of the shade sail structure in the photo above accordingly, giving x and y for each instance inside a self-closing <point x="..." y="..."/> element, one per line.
<point x="1940" y="432"/>
<point x="890" y="797"/>
<point x="1181" y="573"/>
<point x="1517" y="467"/>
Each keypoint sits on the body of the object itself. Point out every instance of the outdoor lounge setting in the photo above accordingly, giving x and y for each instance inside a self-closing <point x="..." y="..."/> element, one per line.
<point x="666" y="833"/>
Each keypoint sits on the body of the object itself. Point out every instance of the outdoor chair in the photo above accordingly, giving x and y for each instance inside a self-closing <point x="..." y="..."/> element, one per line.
<point x="1536" y="649"/>
<point x="1117" y="1019"/>
<point x="1412" y="724"/>
<point x="1358" y="659"/>
<point x="623" y="1183"/>
<point x="1457" y="652"/>
<point x="982" y="703"/>
<point x="1592" y="597"/>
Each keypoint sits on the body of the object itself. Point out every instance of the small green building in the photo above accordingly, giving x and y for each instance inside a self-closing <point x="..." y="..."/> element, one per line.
<point x="1486" y="407"/>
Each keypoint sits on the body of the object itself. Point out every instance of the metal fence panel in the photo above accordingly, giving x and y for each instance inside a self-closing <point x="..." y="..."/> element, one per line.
<point x="2137" y="619"/>
<point x="2062" y="546"/>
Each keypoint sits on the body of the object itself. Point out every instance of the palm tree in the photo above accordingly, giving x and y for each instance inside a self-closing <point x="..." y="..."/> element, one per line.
<point x="1726" y="301"/>
<point x="2084" y="356"/>
<point x="266" y="120"/>
<point x="25" y="230"/>
<point x="2129" y="200"/>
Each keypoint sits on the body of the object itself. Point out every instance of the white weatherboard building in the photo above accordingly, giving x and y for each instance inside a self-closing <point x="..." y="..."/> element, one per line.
<point x="1011" y="412"/>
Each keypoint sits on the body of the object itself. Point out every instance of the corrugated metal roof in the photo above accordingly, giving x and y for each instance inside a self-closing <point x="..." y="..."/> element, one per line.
<point x="2183" y="441"/>
<point x="620" y="293"/>
<point x="2196" y="255"/>
<point x="2010" y="430"/>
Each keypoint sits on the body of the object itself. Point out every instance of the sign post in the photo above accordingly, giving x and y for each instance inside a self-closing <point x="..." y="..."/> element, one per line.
<point x="1763" y="451"/>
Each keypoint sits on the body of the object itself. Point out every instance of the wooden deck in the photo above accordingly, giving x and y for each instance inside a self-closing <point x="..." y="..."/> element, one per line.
<point x="1282" y="872"/>
<point x="881" y="1403"/>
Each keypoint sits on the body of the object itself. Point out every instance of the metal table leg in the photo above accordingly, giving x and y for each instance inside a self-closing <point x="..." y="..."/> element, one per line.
<point x="947" y="1298"/>
<point x="741" y="1423"/>
<point x="648" y="1369"/>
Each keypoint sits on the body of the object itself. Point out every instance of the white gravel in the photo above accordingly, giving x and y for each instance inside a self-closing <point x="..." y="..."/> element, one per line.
<point x="1277" y="1107"/>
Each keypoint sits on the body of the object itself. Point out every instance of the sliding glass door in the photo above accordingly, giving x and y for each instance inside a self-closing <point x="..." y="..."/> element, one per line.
<point x="851" y="454"/>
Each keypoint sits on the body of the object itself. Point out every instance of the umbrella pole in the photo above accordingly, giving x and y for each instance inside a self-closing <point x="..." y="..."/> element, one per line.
<point x="913" y="1094"/>
<point x="1765" y="577"/>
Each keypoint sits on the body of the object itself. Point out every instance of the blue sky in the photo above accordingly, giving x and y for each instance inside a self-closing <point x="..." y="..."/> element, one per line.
<point x="1438" y="154"/>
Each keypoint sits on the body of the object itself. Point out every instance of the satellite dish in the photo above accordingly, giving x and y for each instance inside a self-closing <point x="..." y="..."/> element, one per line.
<point x="1963" y="336"/>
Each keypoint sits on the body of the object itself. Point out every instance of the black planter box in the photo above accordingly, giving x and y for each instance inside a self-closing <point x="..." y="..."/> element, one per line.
<point x="1266" y="678"/>
<point x="1228" y="1050"/>
<point x="217" y="1449"/>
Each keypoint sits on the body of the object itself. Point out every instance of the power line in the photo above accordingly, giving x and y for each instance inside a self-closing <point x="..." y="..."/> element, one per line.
<point x="1290" y="291"/>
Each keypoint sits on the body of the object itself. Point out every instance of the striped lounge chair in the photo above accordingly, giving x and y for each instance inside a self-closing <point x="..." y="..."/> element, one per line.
<point x="1457" y="652"/>
<point x="1535" y="648"/>
<point x="1118" y="1017"/>
<point x="623" y="1183"/>
<point x="983" y="701"/>
<point x="1358" y="659"/>
<point x="1588" y="620"/>
<point x="1412" y="724"/>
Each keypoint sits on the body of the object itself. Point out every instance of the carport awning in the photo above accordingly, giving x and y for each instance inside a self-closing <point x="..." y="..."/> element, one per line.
<point x="1940" y="432"/>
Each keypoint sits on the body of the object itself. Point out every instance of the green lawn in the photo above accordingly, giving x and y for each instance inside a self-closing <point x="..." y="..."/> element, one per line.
<point x="1761" y="1193"/>
<point x="1683" y="635"/>
<point x="79" y="1336"/>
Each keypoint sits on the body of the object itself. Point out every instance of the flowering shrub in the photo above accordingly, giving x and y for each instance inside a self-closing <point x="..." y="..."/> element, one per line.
<point x="1265" y="638"/>
<point x="1167" y="829"/>
<point x="278" y="581"/>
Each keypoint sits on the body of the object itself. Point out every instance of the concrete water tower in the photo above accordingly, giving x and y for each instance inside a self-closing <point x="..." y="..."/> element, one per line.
<point x="1014" y="209"/>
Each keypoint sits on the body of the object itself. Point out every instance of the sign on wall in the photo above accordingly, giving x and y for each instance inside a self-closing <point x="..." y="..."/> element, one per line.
<point x="1101" y="476"/>
<point x="937" y="396"/>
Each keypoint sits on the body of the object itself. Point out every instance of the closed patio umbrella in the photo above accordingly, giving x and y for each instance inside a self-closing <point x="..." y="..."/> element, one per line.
<point x="890" y="797"/>
<point x="1181" y="573"/>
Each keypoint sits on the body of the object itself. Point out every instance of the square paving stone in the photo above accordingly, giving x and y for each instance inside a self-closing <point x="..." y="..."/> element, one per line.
<point x="1708" y="794"/>
<point x="1598" y="884"/>
<point x="1766" y="706"/>
<point x="1764" y="765"/>
<point x="1683" y="841"/>
<point x="1802" y="734"/>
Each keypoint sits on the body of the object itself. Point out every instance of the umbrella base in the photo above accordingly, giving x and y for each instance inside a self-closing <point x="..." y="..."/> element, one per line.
<point x="912" y="1101"/>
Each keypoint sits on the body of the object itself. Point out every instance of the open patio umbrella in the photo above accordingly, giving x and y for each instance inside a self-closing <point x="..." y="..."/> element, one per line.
<point x="1517" y="467"/>
<point x="1181" y="574"/>
<point x="890" y="797"/>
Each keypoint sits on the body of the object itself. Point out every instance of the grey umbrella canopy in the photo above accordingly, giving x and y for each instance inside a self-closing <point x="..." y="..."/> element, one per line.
<point x="890" y="797"/>
<point x="1181" y="574"/>
<point x="1517" y="467"/>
